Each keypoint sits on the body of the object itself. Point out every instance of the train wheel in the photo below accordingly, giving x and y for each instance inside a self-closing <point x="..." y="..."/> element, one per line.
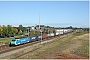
<point x="10" y="45"/>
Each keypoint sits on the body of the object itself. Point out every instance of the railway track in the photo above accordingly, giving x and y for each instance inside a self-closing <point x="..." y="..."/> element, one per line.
<point x="7" y="49"/>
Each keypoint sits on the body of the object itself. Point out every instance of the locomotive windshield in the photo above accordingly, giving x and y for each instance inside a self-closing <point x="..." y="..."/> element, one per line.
<point x="13" y="40"/>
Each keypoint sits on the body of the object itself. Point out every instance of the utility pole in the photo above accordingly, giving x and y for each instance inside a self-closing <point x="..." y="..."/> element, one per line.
<point x="40" y="29"/>
<point x="39" y="21"/>
<point x="59" y="30"/>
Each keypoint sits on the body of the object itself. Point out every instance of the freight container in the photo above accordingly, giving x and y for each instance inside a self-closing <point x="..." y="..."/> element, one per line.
<point x="48" y="35"/>
<point x="52" y="34"/>
<point x="65" y="31"/>
<point x="33" y="38"/>
<point x="61" y="32"/>
<point x="57" y="33"/>
<point x="39" y="37"/>
<point x="44" y="36"/>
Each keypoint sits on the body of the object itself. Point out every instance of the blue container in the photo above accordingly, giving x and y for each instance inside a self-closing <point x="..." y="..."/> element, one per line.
<point x="24" y="40"/>
<point x="39" y="37"/>
<point x="33" y="38"/>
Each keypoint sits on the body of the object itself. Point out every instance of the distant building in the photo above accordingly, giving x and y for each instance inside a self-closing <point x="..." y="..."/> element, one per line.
<point x="32" y="28"/>
<point x="41" y="27"/>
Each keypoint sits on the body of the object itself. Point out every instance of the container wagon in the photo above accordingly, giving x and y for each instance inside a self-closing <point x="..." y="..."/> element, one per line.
<point x="65" y="31"/>
<point x="39" y="37"/>
<point x="44" y="36"/>
<point x="57" y="33"/>
<point x="33" y="38"/>
<point x="48" y="35"/>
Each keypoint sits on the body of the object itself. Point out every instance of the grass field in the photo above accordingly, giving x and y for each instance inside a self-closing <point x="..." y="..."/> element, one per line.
<point x="64" y="47"/>
<point x="5" y="40"/>
<point x="84" y="49"/>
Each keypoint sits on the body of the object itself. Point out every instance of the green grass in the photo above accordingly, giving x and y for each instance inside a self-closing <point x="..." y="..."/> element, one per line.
<point x="5" y="40"/>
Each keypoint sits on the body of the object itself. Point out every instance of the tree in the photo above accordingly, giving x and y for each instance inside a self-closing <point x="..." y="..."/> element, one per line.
<point x="1" y="30"/>
<point x="44" y="30"/>
<point x="24" y="30"/>
<point x="54" y="31"/>
<point x="70" y="27"/>
<point x="10" y="30"/>
<point x="15" y="31"/>
<point x="31" y="33"/>
<point x="5" y="30"/>
<point x="20" y="27"/>
<point x="37" y="32"/>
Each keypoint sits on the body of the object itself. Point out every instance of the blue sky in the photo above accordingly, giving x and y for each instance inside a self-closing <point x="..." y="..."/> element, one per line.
<point x="52" y="13"/>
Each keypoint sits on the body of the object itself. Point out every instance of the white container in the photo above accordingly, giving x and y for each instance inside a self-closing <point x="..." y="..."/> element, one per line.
<point x="65" y="31"/>
<point x="48" y="35"/>
<point x="52" y="34"/>
<point x="61" y="32"/>
<point x="57" y="33"/>
<point x="39" y="36"/>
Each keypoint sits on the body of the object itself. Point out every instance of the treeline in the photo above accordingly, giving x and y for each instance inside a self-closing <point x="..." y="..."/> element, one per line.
<point x="74" y="28"/>
<point x="9" y="31"/>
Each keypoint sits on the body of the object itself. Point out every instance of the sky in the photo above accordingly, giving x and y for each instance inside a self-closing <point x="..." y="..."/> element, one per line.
<point x="52" y="13"/>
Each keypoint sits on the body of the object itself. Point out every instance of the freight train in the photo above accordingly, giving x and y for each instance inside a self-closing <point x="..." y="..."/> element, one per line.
<point x="19" y="41"/>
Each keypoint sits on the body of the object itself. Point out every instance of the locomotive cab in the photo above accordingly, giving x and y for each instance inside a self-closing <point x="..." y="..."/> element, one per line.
<point x="15" y="41"/>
